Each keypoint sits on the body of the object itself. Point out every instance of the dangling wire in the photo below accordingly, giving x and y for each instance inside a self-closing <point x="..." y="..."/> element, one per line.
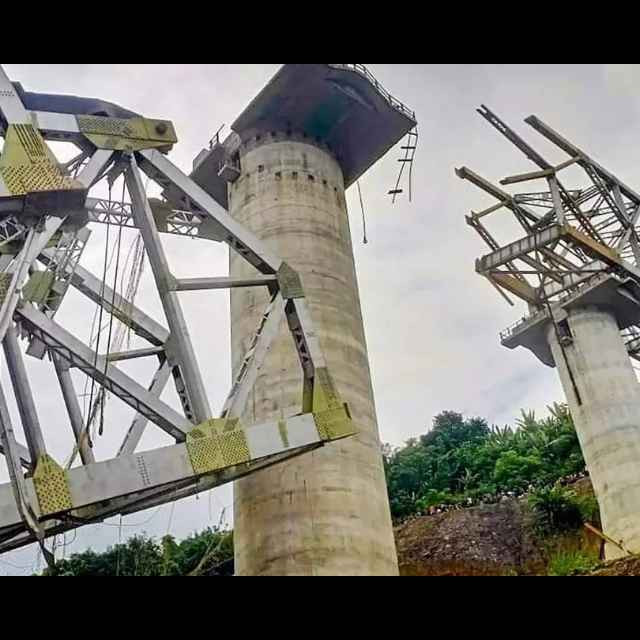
<point x="113" y="302"/>
<point x="104" y="279"/>
<point x="364" y="221"/>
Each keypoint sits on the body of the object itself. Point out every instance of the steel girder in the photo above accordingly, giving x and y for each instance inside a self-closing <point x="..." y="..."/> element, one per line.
<point x="209" y="451"/>
<point x="573" y="236"/>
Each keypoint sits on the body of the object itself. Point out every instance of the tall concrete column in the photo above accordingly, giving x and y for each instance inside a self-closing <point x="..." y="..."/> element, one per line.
<point x="327" y="512"/>
<point x="606" y="412"/>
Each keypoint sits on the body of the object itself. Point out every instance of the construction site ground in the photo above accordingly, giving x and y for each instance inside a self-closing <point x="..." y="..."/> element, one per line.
<point x="492" y="539"/>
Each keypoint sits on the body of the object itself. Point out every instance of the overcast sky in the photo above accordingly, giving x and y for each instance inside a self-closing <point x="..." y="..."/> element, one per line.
<point x="431" y="323"/>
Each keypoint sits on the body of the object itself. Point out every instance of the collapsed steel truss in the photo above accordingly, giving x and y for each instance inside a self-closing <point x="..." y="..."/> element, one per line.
<point x="575" y="238"/>
<point x="42" y="498"/>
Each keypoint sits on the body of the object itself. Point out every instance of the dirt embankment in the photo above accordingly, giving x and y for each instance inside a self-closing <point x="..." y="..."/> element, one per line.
<point x="624" y="567"/>
<point x="498" y="539"/>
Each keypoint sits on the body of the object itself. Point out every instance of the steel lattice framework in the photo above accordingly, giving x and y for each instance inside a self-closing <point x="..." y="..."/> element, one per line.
<point x="45" y="210"/>
<point x="578" y="240"/>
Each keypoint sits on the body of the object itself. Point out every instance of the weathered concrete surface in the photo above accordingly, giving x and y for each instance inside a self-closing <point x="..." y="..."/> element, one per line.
<point x="327" y="512"/>
<point x="607" y="418"/>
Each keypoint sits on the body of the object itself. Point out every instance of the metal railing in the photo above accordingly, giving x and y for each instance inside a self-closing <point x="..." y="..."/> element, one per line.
<point x="561" y="299"/>
<point x="363" y="71"/>
<point x="515" y="327"/>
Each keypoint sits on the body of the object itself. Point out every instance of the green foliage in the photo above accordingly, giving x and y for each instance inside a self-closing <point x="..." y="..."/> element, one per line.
<point x="462" y="458"/>
<point x="567" y="563"/>
<point x="556" y="509"/>
<point x="143" y="556"/>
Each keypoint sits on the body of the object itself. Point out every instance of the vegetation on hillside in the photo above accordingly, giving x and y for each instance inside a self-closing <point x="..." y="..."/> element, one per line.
<point x="462" y="459"/>
<point x="557" y="509"/>
<point x="200" y="554"/>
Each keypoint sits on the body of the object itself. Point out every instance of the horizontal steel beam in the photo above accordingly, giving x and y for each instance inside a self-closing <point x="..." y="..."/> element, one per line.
<point x="518" y="249"/>
<point x="18" y="536"/>
<point x="176" y="222"/>
<point x="198" y="284"/>
<point x="126" y="475"/>
<point x="113" y="379"/>
<point x="134" y="353"/>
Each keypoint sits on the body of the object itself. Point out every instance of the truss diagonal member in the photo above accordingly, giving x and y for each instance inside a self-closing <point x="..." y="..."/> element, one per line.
<point x="553" y="136"/>
<point x="11" y="107"/>
<point x="536" y="158"/>
<point x="23" y="454"/>
<point x="260" y="346"/>
<point x="507" y="200"/>
<point x="36" y="241"/>
<point x="10" y="230"/>
<point x="307" y="343"/>
<point x="73" y="409"/>
<point x="56" y="278"/>
<point x="95" y="168"/>
<point x="16" y="506"/>
<point x="139" y="424"/>
<point x="514" y="138"/>
<point x="17" y="272"/>
<point x="24" y="397"/>
<point x="84" y="281"/>
<point x="159" y="168"/>
<point x="62" y="343"/>
<point x="180" y="349"/>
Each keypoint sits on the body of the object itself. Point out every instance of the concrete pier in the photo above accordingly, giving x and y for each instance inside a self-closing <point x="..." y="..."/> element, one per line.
<point x="327" y="512"/>
<point x="606" y="412"/>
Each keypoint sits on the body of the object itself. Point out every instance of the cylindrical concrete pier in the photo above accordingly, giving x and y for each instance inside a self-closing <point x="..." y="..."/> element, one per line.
<point x="606" y="412"/>
<point x="326" y="512"/>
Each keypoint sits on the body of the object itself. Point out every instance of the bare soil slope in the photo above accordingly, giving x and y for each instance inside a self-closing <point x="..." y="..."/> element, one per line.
<point x="497" y="539"/>
<point x="624" y="567"/>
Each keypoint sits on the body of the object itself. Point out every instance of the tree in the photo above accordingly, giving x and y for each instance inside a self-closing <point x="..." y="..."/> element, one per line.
<point x="459" y="458"/>
<point x="199" y="554"/>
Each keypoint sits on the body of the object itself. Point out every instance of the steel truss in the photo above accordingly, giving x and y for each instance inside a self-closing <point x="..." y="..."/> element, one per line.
<point x="573" y="237"/>
<point x="41" y="260"/>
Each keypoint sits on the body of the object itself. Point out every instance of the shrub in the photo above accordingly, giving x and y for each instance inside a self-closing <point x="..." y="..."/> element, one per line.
<point x="567" y="563"/>
<point x="556" y="509"/>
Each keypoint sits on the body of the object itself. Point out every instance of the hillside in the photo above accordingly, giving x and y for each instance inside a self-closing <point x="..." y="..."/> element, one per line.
<point x="490" y="539"/>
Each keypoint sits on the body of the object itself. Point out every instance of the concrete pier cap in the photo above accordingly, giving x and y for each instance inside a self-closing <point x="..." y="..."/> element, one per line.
<point x="339" y="107"/>
<point x="602" y="390"/>
<point x="282" y="172"/>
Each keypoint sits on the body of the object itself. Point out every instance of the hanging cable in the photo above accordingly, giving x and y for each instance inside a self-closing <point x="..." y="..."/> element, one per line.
<point x="113" y="302"/>
<point x="364" y="221"/>
<point x="104" y="278"/>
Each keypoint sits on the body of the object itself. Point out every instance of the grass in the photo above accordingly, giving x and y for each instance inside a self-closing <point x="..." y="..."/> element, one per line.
<point x="567" y="563"/>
